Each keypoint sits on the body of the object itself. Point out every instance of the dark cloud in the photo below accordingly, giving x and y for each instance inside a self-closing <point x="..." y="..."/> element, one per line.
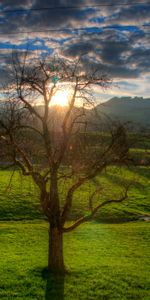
<point x="16" y="4"/>
<point x="116" y="54"/>
<point x="43" y="19"/>
<point x="141" y="58"/>
<point x="132" y="13"/>
<point x="112" y="51"/>
<point x="123" y="51"/>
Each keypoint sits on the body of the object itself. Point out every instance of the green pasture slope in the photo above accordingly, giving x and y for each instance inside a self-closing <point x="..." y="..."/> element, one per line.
<point x="19" y="196"/>
<point x="107" y="259"/>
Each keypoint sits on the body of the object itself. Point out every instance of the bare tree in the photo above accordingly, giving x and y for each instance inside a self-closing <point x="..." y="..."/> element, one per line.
<point x="54" y="145"/>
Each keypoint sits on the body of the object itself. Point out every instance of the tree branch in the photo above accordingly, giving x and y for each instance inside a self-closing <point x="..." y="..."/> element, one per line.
<point x="75" y="186"/>
<point x="94" y="211"/>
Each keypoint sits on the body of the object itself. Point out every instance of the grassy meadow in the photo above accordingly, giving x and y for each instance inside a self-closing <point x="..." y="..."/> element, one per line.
<point x="19" y="196"/>
<point x="106" y="259"/>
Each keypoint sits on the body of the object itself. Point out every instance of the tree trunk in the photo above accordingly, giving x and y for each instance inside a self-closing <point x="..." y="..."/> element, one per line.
<point x="55" y="255"/>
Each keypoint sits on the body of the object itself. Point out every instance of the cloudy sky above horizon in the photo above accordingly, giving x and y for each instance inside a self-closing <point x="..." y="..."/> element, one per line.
<point x="113" y="35"/>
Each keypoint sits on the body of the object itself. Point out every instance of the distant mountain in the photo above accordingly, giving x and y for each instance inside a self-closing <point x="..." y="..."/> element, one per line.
<point x="126" y="109"/>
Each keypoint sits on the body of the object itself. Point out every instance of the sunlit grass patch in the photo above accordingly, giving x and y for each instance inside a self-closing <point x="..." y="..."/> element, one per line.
<point x="105" y="261"/>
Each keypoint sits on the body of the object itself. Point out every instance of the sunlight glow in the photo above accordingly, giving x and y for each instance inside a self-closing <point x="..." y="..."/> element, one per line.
<point x="61" y="98"/>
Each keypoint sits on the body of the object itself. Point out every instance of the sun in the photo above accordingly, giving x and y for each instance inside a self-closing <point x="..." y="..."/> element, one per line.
<point x="61" y="98"/>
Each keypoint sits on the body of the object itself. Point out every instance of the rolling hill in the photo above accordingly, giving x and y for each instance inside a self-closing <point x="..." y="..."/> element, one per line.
<point x="135" y="110"/>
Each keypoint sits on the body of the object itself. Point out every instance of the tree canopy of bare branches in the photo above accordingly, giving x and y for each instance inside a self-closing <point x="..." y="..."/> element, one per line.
<point x="53" y="144"/>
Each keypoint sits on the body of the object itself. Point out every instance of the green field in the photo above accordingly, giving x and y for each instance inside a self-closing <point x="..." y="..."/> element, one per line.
<point x="106" y="259"/>
<point x="19" y="198"/>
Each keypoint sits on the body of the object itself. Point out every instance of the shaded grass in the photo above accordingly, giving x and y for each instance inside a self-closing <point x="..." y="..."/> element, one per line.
<point x="106" y="261"/>
<point x="21" y="201"/>
<point x="19" y="198"/>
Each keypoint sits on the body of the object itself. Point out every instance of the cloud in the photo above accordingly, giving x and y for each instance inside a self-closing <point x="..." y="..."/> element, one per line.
<point x="114" y="52"/>
<point x="111" y="38"/>
<point x="133" y="14"/>
<point x="46" y="18"/>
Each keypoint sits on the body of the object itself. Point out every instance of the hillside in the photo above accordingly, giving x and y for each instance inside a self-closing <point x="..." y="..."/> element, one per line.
<point x="135" y="110"/>
<point x="125" y="109"/>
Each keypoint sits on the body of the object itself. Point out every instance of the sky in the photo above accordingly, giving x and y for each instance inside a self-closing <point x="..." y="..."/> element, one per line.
<point x="112" y="35"/>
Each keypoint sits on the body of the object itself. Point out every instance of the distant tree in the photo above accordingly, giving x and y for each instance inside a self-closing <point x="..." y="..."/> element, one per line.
<point x="54" y="146"/>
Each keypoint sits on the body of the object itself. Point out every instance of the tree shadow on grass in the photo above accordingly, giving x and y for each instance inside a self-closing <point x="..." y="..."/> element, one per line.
<point x="123" y="181"/>
<point x="54" y="285"/>
<point x="142" y="171"/>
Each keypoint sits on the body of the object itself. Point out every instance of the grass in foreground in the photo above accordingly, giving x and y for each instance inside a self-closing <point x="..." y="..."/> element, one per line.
<point x="107" y="261"/>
